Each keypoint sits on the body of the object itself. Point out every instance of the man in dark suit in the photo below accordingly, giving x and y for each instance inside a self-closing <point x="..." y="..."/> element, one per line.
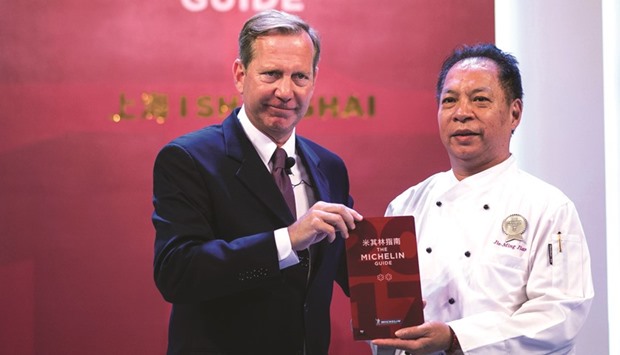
<point x="246" y="276"/>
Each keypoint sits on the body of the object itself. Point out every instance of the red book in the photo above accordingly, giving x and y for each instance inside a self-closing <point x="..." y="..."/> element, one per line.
<point x="384" y="277"/>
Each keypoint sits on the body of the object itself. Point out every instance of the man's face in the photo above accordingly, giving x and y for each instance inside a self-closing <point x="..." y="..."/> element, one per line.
<point x="475" y="119"/>
<point x="278" y="83"/>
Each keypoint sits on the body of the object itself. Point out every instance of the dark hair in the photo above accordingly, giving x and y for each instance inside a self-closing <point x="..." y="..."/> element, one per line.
<point x="509" y="75"/>
<point x="270" y="22"/>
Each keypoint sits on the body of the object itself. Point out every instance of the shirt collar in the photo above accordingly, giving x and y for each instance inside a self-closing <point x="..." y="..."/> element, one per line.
<point x="489" y="175"/>
<point x="262" y="143"/>
<point x="452" y="189"/>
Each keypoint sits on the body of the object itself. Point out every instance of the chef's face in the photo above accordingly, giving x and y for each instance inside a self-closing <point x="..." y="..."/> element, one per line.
<point x="476" y="120"/>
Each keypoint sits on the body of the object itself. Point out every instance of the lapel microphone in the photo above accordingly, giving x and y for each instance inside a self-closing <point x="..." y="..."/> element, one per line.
<point x="288" y="164"/>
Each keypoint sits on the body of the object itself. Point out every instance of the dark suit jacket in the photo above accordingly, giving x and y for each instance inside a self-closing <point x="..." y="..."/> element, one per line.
<point x="216" y="207"/>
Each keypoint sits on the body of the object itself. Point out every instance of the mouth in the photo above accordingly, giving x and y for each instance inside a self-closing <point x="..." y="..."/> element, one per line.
<point x="282" y="108"/>
<point x="281" y="111"/>
<point x="464" y="137"/>
<point x="464" y="133"/>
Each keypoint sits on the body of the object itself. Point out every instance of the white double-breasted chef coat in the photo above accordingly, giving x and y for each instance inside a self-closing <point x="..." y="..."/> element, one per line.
<point x="501" y="293"/>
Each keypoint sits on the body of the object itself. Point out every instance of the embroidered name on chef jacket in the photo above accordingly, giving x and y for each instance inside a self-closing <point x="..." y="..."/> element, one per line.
<point x="513" y="227"/>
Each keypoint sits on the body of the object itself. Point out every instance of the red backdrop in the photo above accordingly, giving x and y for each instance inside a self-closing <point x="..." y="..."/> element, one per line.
<point x="91" y="90"/>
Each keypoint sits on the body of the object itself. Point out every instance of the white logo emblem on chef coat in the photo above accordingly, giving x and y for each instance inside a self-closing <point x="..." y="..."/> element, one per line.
<point x="514" y="226"/>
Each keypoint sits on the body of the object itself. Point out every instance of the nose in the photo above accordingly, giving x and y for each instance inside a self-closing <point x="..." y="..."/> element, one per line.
<point x="284" y="89"/>
<point x="463" y="111"/>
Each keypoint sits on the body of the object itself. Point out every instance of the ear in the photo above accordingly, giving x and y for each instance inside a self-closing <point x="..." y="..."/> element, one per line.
<point x="516" y="110"/>
<point x="238" y="75"/>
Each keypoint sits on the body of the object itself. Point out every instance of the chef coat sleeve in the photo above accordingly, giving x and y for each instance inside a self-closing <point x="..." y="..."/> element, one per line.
<point x="559" y="294"/>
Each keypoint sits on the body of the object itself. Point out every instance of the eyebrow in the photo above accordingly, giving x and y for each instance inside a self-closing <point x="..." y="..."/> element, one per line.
<point x="482" y="89"/>
<point x="474" y="91"/>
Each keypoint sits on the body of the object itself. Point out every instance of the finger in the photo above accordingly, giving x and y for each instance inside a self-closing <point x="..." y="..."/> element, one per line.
<point x="342" y="217"/>
<point x="391" y="343"/>
<point x="356" y="215"/>
<point x="415" y="332"/>
<point x="336" y="223"/>
<point x="322" y="227"/>
<point x="349" y="215"/>
<point x="408" y="333"/>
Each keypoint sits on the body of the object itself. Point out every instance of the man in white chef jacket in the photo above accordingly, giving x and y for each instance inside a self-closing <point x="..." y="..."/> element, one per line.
<point x="504" y="263"/>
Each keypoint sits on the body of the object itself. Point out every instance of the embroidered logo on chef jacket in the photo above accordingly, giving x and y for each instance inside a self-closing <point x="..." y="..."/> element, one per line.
<point x="514" y="226"/>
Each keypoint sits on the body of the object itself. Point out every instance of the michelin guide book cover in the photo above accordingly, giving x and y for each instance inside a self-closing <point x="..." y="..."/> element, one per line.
<point x="384" y="277"/>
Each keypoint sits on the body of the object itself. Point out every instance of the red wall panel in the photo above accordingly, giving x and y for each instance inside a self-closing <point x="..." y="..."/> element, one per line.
<point x="75" y="186"/>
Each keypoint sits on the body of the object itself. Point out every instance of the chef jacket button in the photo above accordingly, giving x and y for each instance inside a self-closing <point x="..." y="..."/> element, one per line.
<point x="438" y="203"/>
<point x="429" y="250"/>
<point x="486" y="207"/>
<point x="451" y="300"/>
<point x="467" y="254"/>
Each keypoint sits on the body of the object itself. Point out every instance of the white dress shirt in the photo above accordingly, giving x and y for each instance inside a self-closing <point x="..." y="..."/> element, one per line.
<point x="304" y="195"/>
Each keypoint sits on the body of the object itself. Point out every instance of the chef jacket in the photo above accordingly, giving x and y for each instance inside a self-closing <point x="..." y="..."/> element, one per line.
<point x="503" y="260"/>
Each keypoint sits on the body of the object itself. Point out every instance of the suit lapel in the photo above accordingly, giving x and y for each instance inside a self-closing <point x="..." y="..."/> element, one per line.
<point x="252" y="172"/>
<point x="321" y="184"/>
<point x="312" y="163"/>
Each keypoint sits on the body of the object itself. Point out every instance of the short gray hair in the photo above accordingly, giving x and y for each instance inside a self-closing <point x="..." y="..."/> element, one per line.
<point x="273" y="21"/>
